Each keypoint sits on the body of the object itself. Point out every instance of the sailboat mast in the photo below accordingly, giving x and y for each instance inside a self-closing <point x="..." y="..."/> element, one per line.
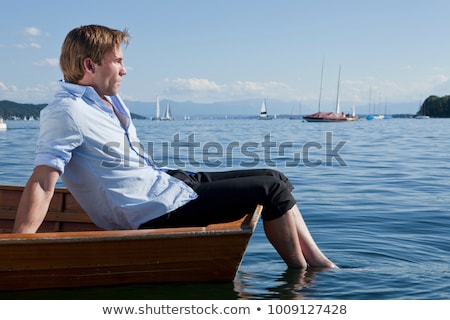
<point x="158" y="111"/>
<point x="321" y="83"/>
<point x="338" y="107"/>
<point x="353" y="107"/>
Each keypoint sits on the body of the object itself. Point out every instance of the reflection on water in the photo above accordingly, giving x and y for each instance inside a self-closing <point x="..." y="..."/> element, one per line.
<point x="291" y="284"/>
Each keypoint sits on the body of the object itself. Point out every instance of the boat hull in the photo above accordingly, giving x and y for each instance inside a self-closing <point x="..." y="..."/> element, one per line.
<point x="323" y="120"/>
<point x="79" y="258"/>
<point x="328" y="117"/>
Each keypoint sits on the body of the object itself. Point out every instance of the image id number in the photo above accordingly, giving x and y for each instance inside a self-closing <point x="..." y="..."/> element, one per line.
<point x="307" y="309"/>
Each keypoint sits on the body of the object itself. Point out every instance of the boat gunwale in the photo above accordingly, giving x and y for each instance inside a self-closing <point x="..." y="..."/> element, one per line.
<point x="118" y="235"/>
<point x="245" y="225"/>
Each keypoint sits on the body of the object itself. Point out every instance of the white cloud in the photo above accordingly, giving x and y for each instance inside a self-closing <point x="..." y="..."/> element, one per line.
<point x="7" y="89"/>
<point x="407" y="68"/>
<point x="39" y="93"/>
<point x="438" y="69"/>
<point x="52" y="62"/>
<point x="412" y="89"/>
<point x="197" y="89"/>
<point x="35" y="45"/>
<point x="205" y="90"/>
<point x="260" y="87"/>
<point x="194" y="84"/>
<point x="8" y="92"/>
<point x="249" y="86"/>
<point x="32" y="31"/>
<point x="437" y="84"/>
<point x="438" y="79"/>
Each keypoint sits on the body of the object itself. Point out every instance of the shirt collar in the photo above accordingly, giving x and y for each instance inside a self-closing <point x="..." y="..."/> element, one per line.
<point x="88" y="92"/>
<point x="83" y="92"/>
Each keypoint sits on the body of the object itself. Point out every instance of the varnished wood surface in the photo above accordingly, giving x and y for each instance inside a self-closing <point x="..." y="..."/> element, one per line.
<point x="69" y="250"/>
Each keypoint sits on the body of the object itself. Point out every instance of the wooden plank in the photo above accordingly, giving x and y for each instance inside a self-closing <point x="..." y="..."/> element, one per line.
<point x="64" y="214"/>
<point x="119" y="257"/>
<point x="84" y="255"/>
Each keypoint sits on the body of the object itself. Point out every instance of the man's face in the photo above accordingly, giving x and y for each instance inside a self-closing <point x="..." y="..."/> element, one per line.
<point x="108" y="75"/>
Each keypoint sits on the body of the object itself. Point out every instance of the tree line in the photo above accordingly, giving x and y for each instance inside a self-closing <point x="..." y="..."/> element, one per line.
<point x="435" y="107"/>
<point x="10" y="110"/>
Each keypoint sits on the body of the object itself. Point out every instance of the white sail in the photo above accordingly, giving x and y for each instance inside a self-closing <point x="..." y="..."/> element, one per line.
<point x="338" y="99"/>
<point x="263" y="115"/>
<point x="353" y="108"/>
<point x="167" y="113"/>
<point x="263" y="109"/>
<point x="158" y="110"/>
<point x="3" y="125"/>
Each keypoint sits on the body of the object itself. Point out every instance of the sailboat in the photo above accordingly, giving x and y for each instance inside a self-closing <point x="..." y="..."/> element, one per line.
<point x="376" y="117"/>
<point x="158" y="110"/>
<point x="3" y="125"/>
<point x="263" y="115"/>
<point x="386" y="116"/>
<point x="329" y="116"/>
<point x="167" y="113"/>
<point x="353" y="117"/>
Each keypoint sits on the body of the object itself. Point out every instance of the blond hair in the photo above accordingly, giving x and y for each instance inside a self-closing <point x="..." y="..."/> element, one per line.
<point x="92" y="41"/>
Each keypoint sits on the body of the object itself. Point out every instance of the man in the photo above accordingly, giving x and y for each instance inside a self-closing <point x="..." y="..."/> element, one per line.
<point x="87" y="137"/>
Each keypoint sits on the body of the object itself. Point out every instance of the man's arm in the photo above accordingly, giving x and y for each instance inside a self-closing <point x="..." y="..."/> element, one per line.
<point x="35" y="199"/>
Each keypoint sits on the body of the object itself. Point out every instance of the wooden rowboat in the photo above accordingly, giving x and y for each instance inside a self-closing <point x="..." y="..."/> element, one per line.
<point x="70" y="251"/>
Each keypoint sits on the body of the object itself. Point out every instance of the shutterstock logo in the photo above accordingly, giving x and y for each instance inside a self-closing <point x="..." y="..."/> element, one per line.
<point x="187" y="151"/>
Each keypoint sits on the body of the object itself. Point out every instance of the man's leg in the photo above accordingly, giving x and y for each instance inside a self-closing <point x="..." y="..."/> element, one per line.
<point x="282" y="234"/>
<point x="291" y="238"/>
<point x="226" y="196"/>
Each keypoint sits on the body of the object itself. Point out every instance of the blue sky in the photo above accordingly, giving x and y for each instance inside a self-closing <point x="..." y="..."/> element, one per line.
<point x="205" y="51"/>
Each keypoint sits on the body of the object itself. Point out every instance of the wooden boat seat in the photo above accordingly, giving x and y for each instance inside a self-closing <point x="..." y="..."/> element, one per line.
<point x="64" y="214"/>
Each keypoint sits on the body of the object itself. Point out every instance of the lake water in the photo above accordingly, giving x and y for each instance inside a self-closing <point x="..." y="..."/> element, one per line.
<point x="375" y="195"/>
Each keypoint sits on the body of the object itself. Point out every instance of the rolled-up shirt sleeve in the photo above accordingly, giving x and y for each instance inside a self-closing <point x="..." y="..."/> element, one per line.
<point x="56" y="140"/>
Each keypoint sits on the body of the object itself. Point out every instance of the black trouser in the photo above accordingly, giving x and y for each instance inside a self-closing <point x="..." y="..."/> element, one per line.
<point x="229" y="195"/>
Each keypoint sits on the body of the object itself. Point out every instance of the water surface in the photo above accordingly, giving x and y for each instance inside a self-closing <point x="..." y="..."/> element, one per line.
<point x="374" y="194"/>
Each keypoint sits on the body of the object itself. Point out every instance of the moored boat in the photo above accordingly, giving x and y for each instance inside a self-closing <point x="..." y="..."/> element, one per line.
<point x="263" y="115"/>
<point x="330" y="116"/>
<point x="70" y="251"/>
<point x="158" y="110"/>
<point x="167" y="113"/>
<point x="326" y="117"/>
<point x="3" y="125"/>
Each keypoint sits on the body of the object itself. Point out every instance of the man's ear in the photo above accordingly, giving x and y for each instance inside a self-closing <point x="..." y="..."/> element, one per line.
<point x="89" y="65"/>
